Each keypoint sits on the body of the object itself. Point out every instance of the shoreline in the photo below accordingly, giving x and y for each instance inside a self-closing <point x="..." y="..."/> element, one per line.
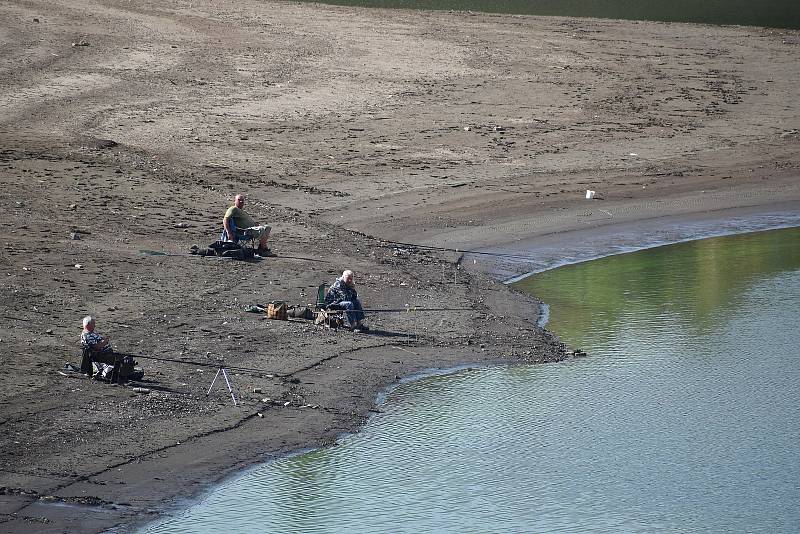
<point x="347" y="129"/>
<point x="383" y="394"/>
<point x="672" y="230"/>
<point x="380" y="398"/>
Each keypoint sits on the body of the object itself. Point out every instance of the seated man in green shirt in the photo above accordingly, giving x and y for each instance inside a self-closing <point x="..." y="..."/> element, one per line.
<point x="238" y="223"/>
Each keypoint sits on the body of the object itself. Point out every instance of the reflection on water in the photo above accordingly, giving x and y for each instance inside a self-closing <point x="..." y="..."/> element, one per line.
<point x="773" y="13"/>
<point x="684" y="418"/>
<point x="685" y="286"/>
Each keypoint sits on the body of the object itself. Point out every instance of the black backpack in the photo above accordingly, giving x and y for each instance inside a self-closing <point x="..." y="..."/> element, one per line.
<point x="125" y="370"/>
<point x="227" y="249"/>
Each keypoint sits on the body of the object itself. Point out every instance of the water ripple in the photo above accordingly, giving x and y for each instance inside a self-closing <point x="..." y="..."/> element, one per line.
<point x="684" y="418"/>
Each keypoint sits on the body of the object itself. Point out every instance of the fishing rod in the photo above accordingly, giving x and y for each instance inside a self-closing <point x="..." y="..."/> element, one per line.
<point x="215" y="365"/>
<point x="222" y="369"/>
<point x="218" y="364"/>
<point x="410" y="309"/>
<point x="394" y="244"/>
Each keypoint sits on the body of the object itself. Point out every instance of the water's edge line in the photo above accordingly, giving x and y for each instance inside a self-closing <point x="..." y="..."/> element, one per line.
<point x="634" y="248"/>
<point x="183" y="504"/>
<point x="544" y="308"/>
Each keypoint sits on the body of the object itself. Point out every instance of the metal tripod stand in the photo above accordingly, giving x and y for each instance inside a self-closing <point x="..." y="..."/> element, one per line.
<point x="227" y="381"/>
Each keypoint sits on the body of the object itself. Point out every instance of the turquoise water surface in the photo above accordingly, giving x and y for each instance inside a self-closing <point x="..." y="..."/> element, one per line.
<point x="685" y="417"/>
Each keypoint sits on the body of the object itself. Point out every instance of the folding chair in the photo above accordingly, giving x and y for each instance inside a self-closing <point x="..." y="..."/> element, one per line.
<point x="239" y="236"/>
<point x="108" y="358"/>
<point x="322" y="290"/>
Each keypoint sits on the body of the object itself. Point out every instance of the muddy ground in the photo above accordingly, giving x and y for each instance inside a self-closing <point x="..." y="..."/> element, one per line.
<point x="126" y="129"/>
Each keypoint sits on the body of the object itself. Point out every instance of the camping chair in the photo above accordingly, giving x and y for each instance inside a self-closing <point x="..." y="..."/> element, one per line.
<point x="123" y="371"/>
<point x="108" y="358"/>
<point x="322" y="290"/>
<point x="243" y="237"/>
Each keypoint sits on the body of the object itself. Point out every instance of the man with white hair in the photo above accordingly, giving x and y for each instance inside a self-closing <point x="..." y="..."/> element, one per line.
<point x="96" y="345"/>
<point x="92" y="340"/>
<point x="342" y="295"/>
<point x="239" y="224"/>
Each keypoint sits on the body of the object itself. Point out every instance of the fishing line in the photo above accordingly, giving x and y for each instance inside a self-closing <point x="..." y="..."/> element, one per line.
<point x="219" y="364"/>
<point x="394" y="244"/>
<point x="216" y="365"/>
<point x="399" y="310"/>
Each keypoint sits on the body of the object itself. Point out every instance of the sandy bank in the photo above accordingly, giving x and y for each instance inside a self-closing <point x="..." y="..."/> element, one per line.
<point x="346" y="128"/>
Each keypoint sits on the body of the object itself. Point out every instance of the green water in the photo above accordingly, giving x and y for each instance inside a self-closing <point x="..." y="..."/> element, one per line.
<point x="771" y="13"/>
<point x="685" y="286"/>
<point x="684" y="418"/>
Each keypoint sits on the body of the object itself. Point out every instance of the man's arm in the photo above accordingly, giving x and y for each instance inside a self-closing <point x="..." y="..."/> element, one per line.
<point x="100" y="345"/>
<point x="226" y="222"/>
<point x="96" y="343"/>
<point x="334" y="296"/>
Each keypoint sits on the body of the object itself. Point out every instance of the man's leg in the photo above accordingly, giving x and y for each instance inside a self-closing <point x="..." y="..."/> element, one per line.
<point x="359" y="310"/>
<point x="348" y="307"/>
<point x="353" y="310"/>
<point x="262" y="241"/>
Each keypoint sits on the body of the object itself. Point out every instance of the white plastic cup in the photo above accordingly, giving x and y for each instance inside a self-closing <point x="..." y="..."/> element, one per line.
<point x="590" y="194"/>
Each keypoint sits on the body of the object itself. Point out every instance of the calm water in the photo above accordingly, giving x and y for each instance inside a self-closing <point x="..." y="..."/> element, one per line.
<point x="684" y="418"/>
<point x="773" y="13"/>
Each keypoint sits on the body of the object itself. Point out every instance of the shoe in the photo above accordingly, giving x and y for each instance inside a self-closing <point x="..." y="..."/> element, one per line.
<point x="264" y="252"/>
<point x="356" y="330"/>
